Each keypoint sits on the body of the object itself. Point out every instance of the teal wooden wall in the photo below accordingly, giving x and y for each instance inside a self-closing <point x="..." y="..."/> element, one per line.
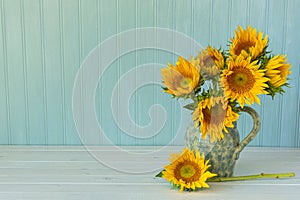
<point x="44" y="42"/>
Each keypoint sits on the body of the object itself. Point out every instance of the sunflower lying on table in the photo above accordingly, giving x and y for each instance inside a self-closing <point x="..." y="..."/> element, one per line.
<point x="188" y="170"/>
<point x="220" y="83"/>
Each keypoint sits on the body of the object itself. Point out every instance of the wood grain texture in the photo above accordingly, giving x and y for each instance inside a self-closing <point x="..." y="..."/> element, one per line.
<point x="43" y="44"/>
<point x="40" y="172"/>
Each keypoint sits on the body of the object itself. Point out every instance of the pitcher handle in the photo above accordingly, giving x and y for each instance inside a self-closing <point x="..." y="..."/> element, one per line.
<point x="253" y="132"/>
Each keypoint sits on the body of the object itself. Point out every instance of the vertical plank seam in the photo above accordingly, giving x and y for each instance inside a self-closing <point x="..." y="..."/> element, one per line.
<point x="61" y="30"/>
<point x="42" y="32"/>
<point x="297" y="141"/>
<point x="280" y="136"/>
<point x="4" y="45"/>
<point x="118" y="138"/>
<point x="24" y="60"/>
<point x="155" y="59"/>
<point x="267" y="21"/>
<point x="173" y="110"/>
<point x="135" y="64"/>
<point x="99" y="62"/>
<point x="283" y="49"/>
<point x="192" y="49"/>
<point x="297" y="136"/>
<point x="81" y="134"/>
<point x="297" y="133"/>
<point x="248" y="11"/>
<point x="261" y="139"/>
<point x="210" y="23"/>
<point x="229" y="19"/>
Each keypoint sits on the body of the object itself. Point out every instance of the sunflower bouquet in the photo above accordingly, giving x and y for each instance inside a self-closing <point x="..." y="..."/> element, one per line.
<point x="220" y="83"/>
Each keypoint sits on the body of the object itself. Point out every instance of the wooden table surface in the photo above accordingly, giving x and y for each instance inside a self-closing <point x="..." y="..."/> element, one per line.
<point x="79" y="173"/>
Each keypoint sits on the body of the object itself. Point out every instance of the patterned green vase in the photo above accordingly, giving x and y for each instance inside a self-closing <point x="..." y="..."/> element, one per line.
<point x="224" y="153"/>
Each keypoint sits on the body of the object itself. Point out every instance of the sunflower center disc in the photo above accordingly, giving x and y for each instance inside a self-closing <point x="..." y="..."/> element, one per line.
<point x="185" y="83"/>
<point x="187" y="171"/>
<point x="241" y="80"/>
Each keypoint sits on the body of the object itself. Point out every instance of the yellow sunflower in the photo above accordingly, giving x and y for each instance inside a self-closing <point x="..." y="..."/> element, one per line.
<point x="214" y="115"/>
<point x="180" y="79"/>
<point x="248" y="43"/>
<point x="210" y="61"/>
<point x="195" y="62"/>
<point x="277" y="70"/>
<point x="243" y="81"/>
<point x="188" y="171"/>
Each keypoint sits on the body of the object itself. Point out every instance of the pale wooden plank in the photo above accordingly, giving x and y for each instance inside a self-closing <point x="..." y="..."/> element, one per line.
<point x="10" y="148"/>
<point x="85" y="177"/>
<point x="53" y="159"/>
<point x="93" y="148"/>
<point x="146" y="191"/>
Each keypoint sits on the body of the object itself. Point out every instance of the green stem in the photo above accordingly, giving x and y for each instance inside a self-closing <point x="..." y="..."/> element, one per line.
<point x="258" y="176"/>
